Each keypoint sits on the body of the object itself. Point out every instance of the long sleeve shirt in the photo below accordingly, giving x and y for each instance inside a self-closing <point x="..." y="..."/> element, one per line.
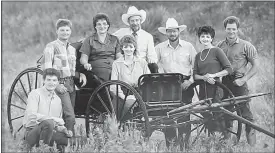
<point x="211" y="61"/>
<point x="61" y="57"/>
<point x="41" y="105"/>
<point x="145" y="43"/>
<point x="176" y="60"/>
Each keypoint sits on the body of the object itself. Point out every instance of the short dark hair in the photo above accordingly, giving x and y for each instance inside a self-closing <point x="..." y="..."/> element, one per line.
<point x="128" y="39"/>
<point x="51" y="72"/>
<point x="101" y="16"/>
<point x="206" y="30"/>
<point x="231" y="20"/>
<point x="63" y="22"/>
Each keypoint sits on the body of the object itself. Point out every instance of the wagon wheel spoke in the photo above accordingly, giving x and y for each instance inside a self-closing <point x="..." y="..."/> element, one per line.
<point x="124" y="101"/>
<point x="95" y="109"/>
<point x="17" y="117"/>
<point x="19" y="128"/>
<point x="20" y="98"/>
<point x="29" y="81"/>
<point x="18" y="107"/>
<point x="231" y="131"/>
<point x="36" y="76"/>
<point x="196" y="138"/>
<point x="197" y="115"/>
<point x="23" y="87"/>
<point x="102" y="102"/>
<point x="196" y="127"/>
<point x="109" y="98"/>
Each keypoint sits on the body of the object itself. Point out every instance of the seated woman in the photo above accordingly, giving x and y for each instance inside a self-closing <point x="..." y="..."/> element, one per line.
<point x="99" y="51"/>
<point x="128" y="69"/>
<point x="210" y="64"/>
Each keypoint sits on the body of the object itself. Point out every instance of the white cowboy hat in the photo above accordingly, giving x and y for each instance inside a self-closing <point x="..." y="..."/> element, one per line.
<point x="133" y="11"/>
<point x="171" y="23"/>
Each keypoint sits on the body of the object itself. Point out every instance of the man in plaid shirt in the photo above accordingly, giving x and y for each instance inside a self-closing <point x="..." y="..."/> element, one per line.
<point x="60" y="55"/>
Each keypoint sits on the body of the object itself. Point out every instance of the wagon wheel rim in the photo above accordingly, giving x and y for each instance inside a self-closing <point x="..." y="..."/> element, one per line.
<point x="110" y="97"/>
<point x="237" y="131"/>
<point x="23" y="84"/>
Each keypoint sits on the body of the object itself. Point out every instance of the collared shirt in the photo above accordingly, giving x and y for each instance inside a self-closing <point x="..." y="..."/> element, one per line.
<point x="239" y="53"/>
<point x="178" y="60"/>
<point x="101" y="54"/>
<point x="61" y="57"/>
<point x="129" y="73"/>
<point x="145" y="43"/>
<point x="41" y="104"/>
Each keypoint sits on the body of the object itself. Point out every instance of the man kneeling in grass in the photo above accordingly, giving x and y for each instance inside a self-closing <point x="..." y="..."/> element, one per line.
<point x="43" y="115"/>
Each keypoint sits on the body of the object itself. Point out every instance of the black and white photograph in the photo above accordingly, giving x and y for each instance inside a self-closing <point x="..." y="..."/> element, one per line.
<point x="137" y="76"/>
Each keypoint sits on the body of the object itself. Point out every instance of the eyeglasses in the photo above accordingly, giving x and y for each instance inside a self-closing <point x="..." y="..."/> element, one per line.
<point x="103" y="24"/>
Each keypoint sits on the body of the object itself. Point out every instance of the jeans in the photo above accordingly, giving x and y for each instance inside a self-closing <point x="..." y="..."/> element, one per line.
<point x="45" y="131"/>
<point x="68" y="103"/>
<point x="238" y="91"/>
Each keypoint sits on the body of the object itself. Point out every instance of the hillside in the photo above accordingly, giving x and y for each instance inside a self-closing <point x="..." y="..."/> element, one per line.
<point x="28" y="26"/>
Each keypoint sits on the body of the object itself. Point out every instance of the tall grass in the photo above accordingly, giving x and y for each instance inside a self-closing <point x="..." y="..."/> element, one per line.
<point x="28" y="26"/>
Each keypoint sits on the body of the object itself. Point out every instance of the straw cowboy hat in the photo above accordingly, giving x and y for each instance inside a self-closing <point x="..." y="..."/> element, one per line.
<point x="133" y="11"/>
<point x="171" y="23"/>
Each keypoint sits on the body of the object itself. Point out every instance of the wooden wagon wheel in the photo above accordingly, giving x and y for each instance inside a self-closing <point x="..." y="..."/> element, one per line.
<point x="212" y="119"/>
<point x="101" y="102"/>
<point x="23" y="84"/>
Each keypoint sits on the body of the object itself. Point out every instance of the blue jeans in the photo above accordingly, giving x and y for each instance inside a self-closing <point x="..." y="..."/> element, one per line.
<point x="68" y="103"/>
<point x="45" y="131"/>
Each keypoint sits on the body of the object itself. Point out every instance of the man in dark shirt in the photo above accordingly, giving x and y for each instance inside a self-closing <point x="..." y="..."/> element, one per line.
<point x="239" y="53"/>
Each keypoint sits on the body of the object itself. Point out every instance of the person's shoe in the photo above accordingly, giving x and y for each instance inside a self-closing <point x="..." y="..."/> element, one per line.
<point x="251" y="136"/>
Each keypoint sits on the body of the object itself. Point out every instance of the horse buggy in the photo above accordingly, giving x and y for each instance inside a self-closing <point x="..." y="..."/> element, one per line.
<point x="158" y="104"/>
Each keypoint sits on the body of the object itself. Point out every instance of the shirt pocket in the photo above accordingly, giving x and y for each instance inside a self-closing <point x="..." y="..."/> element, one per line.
<point x="166" y="57"/>
<point x="57" y="62"/>
<point x="183" y="58"/>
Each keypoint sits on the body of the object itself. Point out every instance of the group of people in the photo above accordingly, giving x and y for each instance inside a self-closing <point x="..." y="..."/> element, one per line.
<point x="127" y="54"/>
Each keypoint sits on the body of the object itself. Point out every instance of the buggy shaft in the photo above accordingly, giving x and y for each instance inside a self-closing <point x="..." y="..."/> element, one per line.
<point x="245" y="97"/>
<point x="224" y="102"/>
<point x="245" y="121"/>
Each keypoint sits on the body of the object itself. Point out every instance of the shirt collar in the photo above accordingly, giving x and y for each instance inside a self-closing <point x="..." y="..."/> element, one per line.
<point x="180" y="43"/>
<point x="62" y="43"/>
<point x="138" y="32"/>
<point x="121" y="59"/>
<point x="48" y="93"/>
<point x="236" y="41"/>
<point x="107" y="38"/>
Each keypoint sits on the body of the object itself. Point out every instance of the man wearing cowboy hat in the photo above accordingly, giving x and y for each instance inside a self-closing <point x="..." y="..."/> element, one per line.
<point x="177" y="56"/>
<point x="145" y="43"/>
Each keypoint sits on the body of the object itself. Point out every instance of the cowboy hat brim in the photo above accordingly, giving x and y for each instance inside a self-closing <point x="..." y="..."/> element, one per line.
<point x="163" y="29"/>
<point x="140" y="13"/>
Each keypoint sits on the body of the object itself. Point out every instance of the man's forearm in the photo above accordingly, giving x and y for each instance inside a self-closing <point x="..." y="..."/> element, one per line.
<point x="250" y="73"/>
<point x="253" y="70"/>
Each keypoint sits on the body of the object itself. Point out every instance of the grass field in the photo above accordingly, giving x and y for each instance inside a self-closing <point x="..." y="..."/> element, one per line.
<point x="28" y="26"/>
